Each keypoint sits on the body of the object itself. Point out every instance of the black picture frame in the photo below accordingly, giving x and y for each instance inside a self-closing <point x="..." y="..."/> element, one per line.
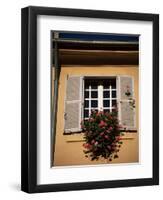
<point x="29" y="99"/>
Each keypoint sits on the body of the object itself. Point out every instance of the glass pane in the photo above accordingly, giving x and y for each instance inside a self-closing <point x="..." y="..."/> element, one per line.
<point x="94" y="94"/>
<point x="106" y="110"/>
<point x="94" y="110"/>
<point x="86" y="103"/>
<point x="110" y="82"/>
<point x="86" y="94"/>
<point x="106" y="83"/>
<point x="113" y="87"/>
<point x="113" y="94"/>
<point x="113" y="110"/>
<point x="106" y="103"/>
<point x="91" y="82"/>
<point x="94" y="86"/>
<point x="94" y="103"/>
<point x="113" y="83"/>
<point x="87" y="86"/>
<point x="86" y="113"/>
<point x="106" y="94"/>
<point x="114" y="102"/>
<point x="106" y="86"/>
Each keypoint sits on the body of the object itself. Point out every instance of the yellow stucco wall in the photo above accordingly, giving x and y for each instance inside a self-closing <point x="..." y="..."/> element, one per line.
<point x="68" y="148"/>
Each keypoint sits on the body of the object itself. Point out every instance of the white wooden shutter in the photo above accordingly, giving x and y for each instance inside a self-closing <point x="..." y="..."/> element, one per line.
<point x="73" y="104"/>
<point x="126" y="110"/>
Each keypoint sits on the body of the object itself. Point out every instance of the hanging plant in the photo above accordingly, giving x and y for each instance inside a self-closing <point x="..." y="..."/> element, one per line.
<point x="102" y="135"/>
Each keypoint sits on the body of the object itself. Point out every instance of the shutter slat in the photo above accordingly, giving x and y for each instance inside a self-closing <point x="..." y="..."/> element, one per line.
<point x="127" y="111"/>
<point x="127" y="114"/>
<point x="126" y="84"/>
<point x="73" y="89"/>
<point x="73" y="104"/>
<point x="72" y="115"/>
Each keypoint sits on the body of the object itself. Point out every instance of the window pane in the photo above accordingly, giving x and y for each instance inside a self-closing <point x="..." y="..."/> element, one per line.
<point x="106" y="94"/>
<point x="113" y="83"/>
<point x="106" y="103"/>
<point x="94" y="86"/>
<point x="113" y="94"/>
<point x="86" y="113"/>
<point x="86" y="103"/>
<point x="106" y="83"/>
<point x="109" y="82"/>
<point x="94" y="103"/>
<point x="87" y="86"/>
<point x="114" y="102"/>
<point x="86" y="94"/>
<point x="91" y="82"/>
<point x="106" y="110"/>
<point x="113" y="110"/>
<point x="106" y="86"/>
<point x="113" y="87"/>
<point x="94" y="110"/>
<point x="94" y="94"/>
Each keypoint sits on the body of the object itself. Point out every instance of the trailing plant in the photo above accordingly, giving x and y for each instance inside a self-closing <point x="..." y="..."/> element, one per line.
<point x="102" y="135"/>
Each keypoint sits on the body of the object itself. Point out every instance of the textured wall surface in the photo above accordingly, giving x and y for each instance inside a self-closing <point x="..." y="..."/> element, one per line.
<point x="68" y="148"/>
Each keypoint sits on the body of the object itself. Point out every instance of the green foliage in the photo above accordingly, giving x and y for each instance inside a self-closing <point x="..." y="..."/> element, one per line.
<point x="102" y="135"/>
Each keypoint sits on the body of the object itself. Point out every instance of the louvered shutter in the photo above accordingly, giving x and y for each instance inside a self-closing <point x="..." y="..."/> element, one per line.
<point x="126" y="98"/>
<point x="73" y="104"/>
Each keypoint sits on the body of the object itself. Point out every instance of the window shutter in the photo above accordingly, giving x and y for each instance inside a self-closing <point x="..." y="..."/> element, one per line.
<point x="126" y="99"/>
<point x="73" y="104"/>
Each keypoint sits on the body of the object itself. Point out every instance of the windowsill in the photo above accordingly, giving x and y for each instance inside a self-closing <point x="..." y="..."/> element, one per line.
<point x="78" y="137"/>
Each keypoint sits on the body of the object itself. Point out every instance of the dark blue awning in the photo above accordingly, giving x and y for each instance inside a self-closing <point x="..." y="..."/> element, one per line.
<point x="98" y="37"/>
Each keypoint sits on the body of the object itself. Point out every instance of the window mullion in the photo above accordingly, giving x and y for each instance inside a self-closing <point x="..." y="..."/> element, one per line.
<point x="100" y="97"/>
<point x="89" y="100"/>
<point x="110" y="87"/>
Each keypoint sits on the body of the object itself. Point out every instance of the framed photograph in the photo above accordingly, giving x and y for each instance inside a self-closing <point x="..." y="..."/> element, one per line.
<point x="90" y="99"/>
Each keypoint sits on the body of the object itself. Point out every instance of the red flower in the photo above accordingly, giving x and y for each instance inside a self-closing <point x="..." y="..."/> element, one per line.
<point x="97" y="114"/>
<point x="102" y="123"/>
<point x="106" y="137"/>
<point x="110" y="128"/>
<point x="91" y="120"/>
<point x="117" y="138"/>
<point x="102" y="133"/>
<point x="82" y="126"/>
<point x="86" y="145"/>
<point x="108" y="131"/>
<point x="109" y="147"/>
<point x="114" y="146"/>
<point x="93" y="141"/>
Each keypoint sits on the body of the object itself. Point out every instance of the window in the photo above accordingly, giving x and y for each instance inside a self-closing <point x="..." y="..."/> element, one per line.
<point x="84" y="94"/>
<point x="99" y="94"/>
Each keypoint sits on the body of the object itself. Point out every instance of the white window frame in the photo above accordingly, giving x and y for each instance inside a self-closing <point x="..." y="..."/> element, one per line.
<point x="100" y="89"/>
